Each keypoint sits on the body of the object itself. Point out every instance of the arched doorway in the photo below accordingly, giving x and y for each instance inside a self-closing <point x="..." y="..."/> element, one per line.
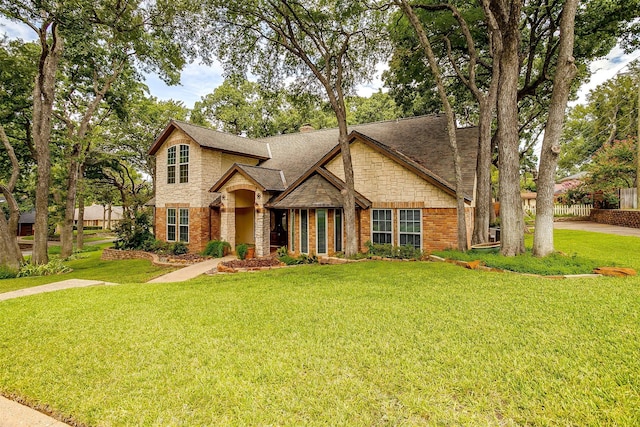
<point x="245" y="217"/>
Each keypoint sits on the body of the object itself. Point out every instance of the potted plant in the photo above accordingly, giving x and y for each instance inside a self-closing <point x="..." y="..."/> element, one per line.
<point x="241" y="251"/>
<point x="251" y="251"/>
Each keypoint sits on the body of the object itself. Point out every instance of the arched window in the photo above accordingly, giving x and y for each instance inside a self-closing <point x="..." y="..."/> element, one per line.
<point x="182" y="161"/>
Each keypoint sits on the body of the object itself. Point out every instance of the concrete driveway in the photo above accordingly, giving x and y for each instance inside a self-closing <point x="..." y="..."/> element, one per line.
<point x="596" y="227"/>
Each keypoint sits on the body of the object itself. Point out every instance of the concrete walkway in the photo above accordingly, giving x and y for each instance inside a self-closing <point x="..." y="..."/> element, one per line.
<point x="191" y="271"/>
<point x="596" y="227"/>
<point x="51" y="287"/>
<point x="13" y="414"/>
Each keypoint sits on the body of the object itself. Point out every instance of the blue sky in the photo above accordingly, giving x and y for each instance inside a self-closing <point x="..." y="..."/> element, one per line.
<point x="198" y="80"/>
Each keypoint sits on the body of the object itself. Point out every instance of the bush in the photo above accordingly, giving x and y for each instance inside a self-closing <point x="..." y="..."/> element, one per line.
<point x="302" y="259"/>
<point x="389" y="251"/>
<point x="7" y="273"/>
<point x="178" y="248"/>
<point x="134" y="233"/>
<point x="241" y="251"/>
<point x="282" y="251"/>
<point x="55" y="266"/>
<point x="216" y="248"/>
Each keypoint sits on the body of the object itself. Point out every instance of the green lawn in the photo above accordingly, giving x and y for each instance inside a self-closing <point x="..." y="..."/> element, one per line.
<point x="88" y="265"/>
<point x="375" y="343"/>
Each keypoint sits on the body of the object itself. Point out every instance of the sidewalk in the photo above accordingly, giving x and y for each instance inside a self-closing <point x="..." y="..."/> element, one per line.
<point x="13" y="414"/>
<point x="596" y="228"/>
<point x="51" y="287"/>
<point x="191" y="271"/>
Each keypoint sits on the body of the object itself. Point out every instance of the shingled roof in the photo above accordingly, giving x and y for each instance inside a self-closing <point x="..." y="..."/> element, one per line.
<point x="265" y="178"/>
<point x="315" y="192"/>
<point x="210" y="138"/>
<point x="422" y="140"/>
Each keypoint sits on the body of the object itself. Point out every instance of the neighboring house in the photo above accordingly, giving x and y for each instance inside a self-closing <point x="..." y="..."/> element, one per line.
<point x="568" y="183"/>
<point x="26" y="222"/>
<point x="529" y="200"/>
<point x="105" y="217"/>
<point x="286" y="190"/>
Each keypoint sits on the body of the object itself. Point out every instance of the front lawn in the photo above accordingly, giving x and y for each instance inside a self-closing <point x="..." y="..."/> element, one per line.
<point x="88" y="265"/>
<point x="373" y="343"/>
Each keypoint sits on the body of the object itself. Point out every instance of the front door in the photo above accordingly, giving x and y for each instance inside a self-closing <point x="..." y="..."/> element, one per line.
<point x="279" y="221"/>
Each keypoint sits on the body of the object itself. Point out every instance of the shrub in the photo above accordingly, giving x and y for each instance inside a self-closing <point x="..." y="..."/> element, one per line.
<point x="7" y="273"/>
<point x="55" y="266"/>
<point x="178" y="248"/>
<point x="389" y="251"/>
<point x="216" y="248"/>
<point x="302" y="259"/>
<point x="134" y="233"/>
<point x="282" y="251"/>
<point x="241" y="251"/>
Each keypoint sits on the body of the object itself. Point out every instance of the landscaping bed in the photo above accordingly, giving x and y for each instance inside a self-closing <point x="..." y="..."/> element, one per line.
<point x="249" y="265"/>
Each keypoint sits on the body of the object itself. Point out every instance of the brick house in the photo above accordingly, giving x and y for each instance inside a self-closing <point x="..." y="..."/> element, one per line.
<point x="286" y="190"/>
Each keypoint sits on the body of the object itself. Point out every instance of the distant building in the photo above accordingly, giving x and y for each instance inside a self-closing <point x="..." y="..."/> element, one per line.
<point x="99" y="216"/>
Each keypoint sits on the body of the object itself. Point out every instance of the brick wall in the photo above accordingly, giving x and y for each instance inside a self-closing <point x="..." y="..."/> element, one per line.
<point x="439" y="229"/>
<point x="199" y="227"/>
<point x="622" y="218"/>
<point x="114" y="255"/>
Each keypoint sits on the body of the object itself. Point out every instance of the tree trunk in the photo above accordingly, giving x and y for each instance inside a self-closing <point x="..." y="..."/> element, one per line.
<point x="451" y="123"/>
<point x="10" y="254"/>
<point x="565" y="72"/>
<point x="43" y="98"/>
<point x="484" y="203"/>
<point x="66" y="231"/>
<point x="80" y="227"/>
<point x="349" y="194"/>
<point x="109" y="217"/>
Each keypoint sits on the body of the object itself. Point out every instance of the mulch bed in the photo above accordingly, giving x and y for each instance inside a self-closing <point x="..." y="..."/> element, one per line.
<point x="184" y="258"/>
<point x="252" y="263"/>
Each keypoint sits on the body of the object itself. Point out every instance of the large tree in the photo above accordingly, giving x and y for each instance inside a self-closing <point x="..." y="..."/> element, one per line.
<point x="142" y="32"/>
<point x="329" y="45"/>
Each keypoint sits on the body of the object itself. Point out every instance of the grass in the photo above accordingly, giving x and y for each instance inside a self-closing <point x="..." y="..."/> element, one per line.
<point x="373" y="343"/>
<point x="579" y="253"/>
<point x="88" y="265"/>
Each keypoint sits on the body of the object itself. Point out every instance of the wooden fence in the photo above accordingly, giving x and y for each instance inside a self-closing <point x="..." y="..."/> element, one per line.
<point x="564" y="210"/>
<point x="628" y="198"/>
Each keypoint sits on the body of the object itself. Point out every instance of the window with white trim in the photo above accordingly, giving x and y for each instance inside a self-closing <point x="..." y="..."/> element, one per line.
<point x="171" y="224"/>
<point x="179" y="159"/>
<point x="381" y="226"/>
<point x="337" y="226"/>
<point x="321" y="231"/>
<point x="171" y="165"/>
<point x="178" y="225"/>
<point x="304" y="231"/>
<point x="184" y="225"/>
<point x="409" y="227"/>
<point x="184" y="163"/>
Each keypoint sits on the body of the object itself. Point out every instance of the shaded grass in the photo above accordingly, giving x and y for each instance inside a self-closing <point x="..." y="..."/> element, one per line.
<point x="582" y="251"/>
<point x="371" y="343"/>
<point x="88" y="265"/>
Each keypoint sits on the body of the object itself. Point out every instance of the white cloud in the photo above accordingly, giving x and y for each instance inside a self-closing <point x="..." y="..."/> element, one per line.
<point x="604" y="69"/>
<point x="16" y="30"/>
<point x="196" y="81"/>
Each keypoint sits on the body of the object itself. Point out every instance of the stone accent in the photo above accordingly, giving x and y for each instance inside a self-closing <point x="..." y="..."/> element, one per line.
<point x="619" y="217"/>
<point x="262" y="230"/>
<point x="396" y="183"/>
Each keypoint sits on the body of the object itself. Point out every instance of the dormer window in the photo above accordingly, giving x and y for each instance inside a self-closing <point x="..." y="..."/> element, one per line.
<point x="182" y="162"/>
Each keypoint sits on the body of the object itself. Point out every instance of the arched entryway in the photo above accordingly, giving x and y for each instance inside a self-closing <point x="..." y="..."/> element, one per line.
<point x="245" y="217"/>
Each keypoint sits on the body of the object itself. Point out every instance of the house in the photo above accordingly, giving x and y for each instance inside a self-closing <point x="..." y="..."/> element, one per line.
<point x="286" y="190"/>
<point x="105" y="217"/>
<point x="26" y="223"/>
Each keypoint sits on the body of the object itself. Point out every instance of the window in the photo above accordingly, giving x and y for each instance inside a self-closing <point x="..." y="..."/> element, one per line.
<point x="292" y="242"/>
<point x="178" y="225"/>
<point x="381" y="226"/>
<point x="338" y="230"/>
<point x="182" y="162"/>
<point x="171" y="165"/>
<point x="304" y="231"/>
<point x="184" y="225"/>
<point x="321" y="231"/>
<point x="171" y="225"/>
<point x="410" y="228"/>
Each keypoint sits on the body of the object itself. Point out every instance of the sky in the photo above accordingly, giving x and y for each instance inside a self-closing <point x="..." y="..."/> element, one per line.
<point x="198" y="80"/>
